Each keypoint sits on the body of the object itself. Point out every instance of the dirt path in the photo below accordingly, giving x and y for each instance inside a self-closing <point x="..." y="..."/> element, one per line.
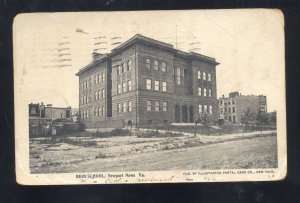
<point x="260" y="152"/>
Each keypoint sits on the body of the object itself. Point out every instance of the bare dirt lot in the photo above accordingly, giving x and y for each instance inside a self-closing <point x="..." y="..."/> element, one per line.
<point x="130" y="153"/>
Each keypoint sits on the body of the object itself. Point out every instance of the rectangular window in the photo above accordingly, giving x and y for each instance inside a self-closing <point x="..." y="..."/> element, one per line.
<point x="233" y="101"/>
<point x="87" y="113"/>
<point x="199" y="74"/>
<point x="163" y="67"/>
<point x="96" y="95"/>
<point x="229" y="110"/>
<point x="184" y="73"/>
<point x="102" y="110"/>
<point x="129" y="85"/>
<point x="205" y="109"/>
<point x="164" y="86"/>
<point x="99" y="111"/>
<point x="200" y="108"/>
<point x="165" y="106"/>
<point x="199" y="91"/>
<point x="95" y="79"/>
<point x="99" y="94"/>
<point x="221" y="110"/>
<point x="149" y="106"/>
<point x="221" y="102"/>
<point x="103" y="77"/>
<point x="119" y="88"/>
<point x="156" y="85"/>
<point x="119" y="70"/>
<point x="148" y="84"/>
<point x="129" y="106"/>
<point x="209" y="92"/>
<point x="155" y="65"/>
<point x="210" y="109"/>
<point x="233" y="109"/>
<point x="103" y="93"/>
<point x="118" y="107"/>
<point x="124" y="86"/>
<point x="98" y="78"/>
<point x="178" y="76"/>
<point x="124" y="106"/>
<point x="156" y="104"/>
<point x="204" y="92"/>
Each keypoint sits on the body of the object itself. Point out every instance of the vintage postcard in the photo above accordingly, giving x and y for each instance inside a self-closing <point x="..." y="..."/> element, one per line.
<point x="149" y="97"/>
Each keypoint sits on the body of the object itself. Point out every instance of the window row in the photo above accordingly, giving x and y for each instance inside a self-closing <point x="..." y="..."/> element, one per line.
<point x="99" y="111"/>
<point x="227" y="102"/>
<point x="85" y="99"/>
<point x="85" y="113"/>
<point x="203" y="76"/>
<point x="180" y="74"/>
<point x="156" y="66"/>
<point x="157" y="106"/>
<point x="205" y="93"/>
<point x="205" y="109"/>
<point x="123" y="87"/>
<point x="158" y="85"/>
<point x="125" y="66"/>
<point x="86" y="84"/>
<point x="230" y="110"/>
<point x="100" y="94"/>
<point x="99" y="78"/>
<point x="124" y="107"/>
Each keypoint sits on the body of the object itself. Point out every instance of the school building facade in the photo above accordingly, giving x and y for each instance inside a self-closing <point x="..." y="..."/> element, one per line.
<point x="144" y="82"/>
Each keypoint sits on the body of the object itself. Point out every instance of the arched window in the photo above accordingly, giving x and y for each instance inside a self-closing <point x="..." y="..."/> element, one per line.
<point x="209" y="77"/>
<point x="148" y="63"/>
<point x="124" y="67"/>
<point x="129" y="65"/>
<point x="204" y="76"/>
<point x="163" y="67"/>
<point x="155" y="65"/>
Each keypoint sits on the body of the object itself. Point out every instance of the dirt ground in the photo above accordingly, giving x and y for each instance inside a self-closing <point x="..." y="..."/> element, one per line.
<point x="130" y="153"/>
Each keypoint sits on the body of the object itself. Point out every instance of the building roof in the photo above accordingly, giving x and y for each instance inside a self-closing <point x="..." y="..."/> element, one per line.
<point x="146" y="40"/>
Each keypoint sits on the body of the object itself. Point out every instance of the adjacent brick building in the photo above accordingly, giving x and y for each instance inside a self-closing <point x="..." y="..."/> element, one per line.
<point x="232" y="107"/>
<point x="143" y="82"/>
<point x="49" y="111"/>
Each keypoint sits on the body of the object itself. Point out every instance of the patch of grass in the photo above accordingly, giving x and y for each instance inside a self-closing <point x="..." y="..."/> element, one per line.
<point x="156" y="134"/>
<point x="113" y="133"/>
<point x="64" y="139"/>
<point x="102" y="156"/>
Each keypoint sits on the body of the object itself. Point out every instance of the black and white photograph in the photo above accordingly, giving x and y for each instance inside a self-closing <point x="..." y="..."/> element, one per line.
<point x="149" y="96"/>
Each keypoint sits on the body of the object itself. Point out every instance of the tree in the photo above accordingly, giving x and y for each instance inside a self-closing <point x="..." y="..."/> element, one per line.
<point x="262" y="118"/>
<point x="272" y="117"/>
<point x="204" y="119"/>
<point x="248" y="116"/>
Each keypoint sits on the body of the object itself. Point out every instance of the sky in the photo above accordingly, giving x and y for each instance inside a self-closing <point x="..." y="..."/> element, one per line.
<point x="50" y="48"/>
